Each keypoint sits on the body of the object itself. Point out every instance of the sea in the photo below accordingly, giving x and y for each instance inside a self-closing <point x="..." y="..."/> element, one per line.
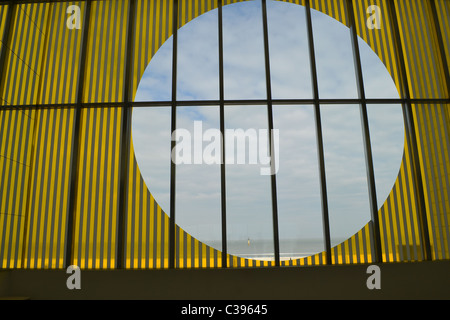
<point x="263" y="249"/>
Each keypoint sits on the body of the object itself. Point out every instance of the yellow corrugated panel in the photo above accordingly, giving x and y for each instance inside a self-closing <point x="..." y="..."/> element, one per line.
<point x="47" y="203"/>
<point x="60" y="66"/>
<point x="300" y="2"/>
<point x="421" y="52"/>
<point x="14" y="174"/>
<point x="105" y="67"/>
<point x="334" y="8"/>
<point x="434" y="141"/>
<point x="408" y="170"/>
<point x="24" y="57"/>
<point x="96" y="207"/>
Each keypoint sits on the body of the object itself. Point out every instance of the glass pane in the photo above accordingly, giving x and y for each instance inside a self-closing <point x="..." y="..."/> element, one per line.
<point x="198" y="59"/>
<point x="298" y="190"/>
<point x="151" y="135"/>
<point x="387" y="135"/>
<point x="334" y="57"/>
<point x="243" y="46"/>
<point x="156" y="83"/>
<point x="378" y="83"/>
<point x="198" y="197"/>
<point x="290" y="68"/>
<point x="249" y="206"/>
<point x="348" y="199"/>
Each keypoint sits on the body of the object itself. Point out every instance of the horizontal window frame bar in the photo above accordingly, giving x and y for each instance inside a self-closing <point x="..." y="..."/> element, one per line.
<point x="197" y="103"/>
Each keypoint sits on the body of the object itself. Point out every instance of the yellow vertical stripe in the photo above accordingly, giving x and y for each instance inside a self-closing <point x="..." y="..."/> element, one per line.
<point x="97" y="38"/>
<point x="122" y="52"/>
<point x="18" y="230"/>
<point x="11" y="61"/>
<point x="65" y="194"/>
<point x="51" y="56"/>
<point x="152" y="236"/>
<point x="85" y="212"/>
<point x="112" y="233"/>
<point x="57" y="170"/>
<point x="79" y="210"/>
<point x="401" y="222"/>
<point x="137" y="70"/>
<point x="33" y="212"/>
<point x="45" y="196"/>
<point x="414" y="209"/>
<point x="157" y="31"/>
<point x="144" y="227"/>
<point x="19" y="50"/>
<point x="89" y="49"/>
<point x="137" y="221"/>
<point x="160" y="241"/>
<point x="6" y="206"/>
<point x="112" y="112"/>
<point x="99" y="240"/>
<point x="394" y="228"/>
<point x="38" y="53"/>
<point x="129" y="216"/>
<point x="93" y="194"/>
<point x="368" y="241"/>
<point x="52" y="211"/>
<point x="166" y="241"/>
<point x="407" y="208"/>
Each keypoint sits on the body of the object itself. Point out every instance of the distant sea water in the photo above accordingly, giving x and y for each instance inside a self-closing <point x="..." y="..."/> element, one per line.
<point x="262" y="249"/>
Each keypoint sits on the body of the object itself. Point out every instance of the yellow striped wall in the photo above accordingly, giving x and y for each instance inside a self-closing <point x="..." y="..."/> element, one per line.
<point x="24" y="59"/>
<point x="34" y="173"/>
<point x="425" y="76"/>
<point x="400" y="230"/>
<point x="105" y="61"/>
<point x="426" y="79"/>
<point x="47" y="202"/>
<point x="95" y="227"/>
<point x="15" y="151"/>
<point x="61" y="58"/>
<point x="96" y="211"/>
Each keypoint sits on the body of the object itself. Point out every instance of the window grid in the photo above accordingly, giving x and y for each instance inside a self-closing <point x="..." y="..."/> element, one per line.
<point x="126" y="106"/>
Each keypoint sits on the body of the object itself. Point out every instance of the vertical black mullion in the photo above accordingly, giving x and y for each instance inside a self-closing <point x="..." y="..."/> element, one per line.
<point x="411" y="135"/>
<point x="271" y="142"/>
<point x="74" y="160"/>
<point x="222" y="131"/>
<point x="366" y="135"/>
<point x="319" y="137"/>
<point x="441" y="45"/>
<point x="125" y="140"/>
<point x="173" y="128"/>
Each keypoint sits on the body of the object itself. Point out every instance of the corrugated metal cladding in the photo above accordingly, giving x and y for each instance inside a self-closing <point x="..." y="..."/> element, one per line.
<point x="42" y="66"/>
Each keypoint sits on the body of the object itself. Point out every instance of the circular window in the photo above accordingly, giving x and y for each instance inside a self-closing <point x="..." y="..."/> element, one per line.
<point x="248" y="191"/>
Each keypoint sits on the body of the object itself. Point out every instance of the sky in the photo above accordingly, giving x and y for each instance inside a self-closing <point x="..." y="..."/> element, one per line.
<point x="249" y="206"/>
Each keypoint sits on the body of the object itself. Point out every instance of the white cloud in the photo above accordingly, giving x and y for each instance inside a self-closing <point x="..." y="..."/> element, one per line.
<point x="334" y="57"/>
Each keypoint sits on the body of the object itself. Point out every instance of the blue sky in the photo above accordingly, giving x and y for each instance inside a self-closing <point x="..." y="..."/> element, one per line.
<point x="248" y="193"/>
